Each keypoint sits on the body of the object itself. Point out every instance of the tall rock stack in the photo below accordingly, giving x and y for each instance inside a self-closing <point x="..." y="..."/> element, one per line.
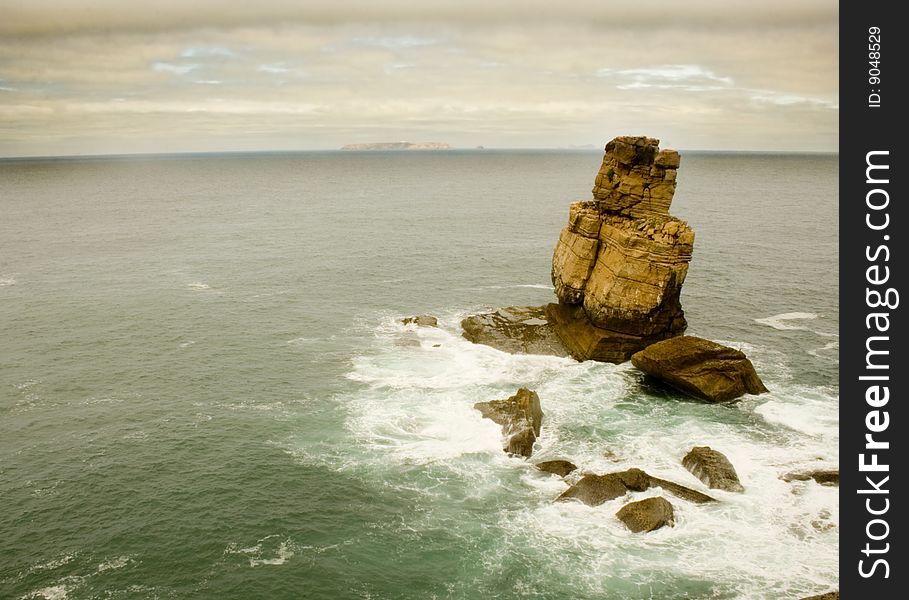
<point x="619" y="265"/>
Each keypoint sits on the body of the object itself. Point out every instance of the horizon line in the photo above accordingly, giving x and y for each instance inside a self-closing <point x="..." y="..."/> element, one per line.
<point x="200" y="153"/>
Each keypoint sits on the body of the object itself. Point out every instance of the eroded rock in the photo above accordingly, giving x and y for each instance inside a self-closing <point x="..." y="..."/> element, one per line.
<point x="701" y="368"/>
<point x="594" y="490"/>
<point x="520" y="416"/>
<point x="647" y="515"/>
<point x="622" y="258"/>
<point x="557" y="467"/>
<point x="713" y="469"/>
<point x="516" y="329"/>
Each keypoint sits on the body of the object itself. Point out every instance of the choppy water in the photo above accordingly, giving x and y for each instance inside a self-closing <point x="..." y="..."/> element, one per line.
<point x="205" y="392"/>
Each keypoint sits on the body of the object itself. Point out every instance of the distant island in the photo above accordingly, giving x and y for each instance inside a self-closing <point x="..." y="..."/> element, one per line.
<point x="398" y="146"/>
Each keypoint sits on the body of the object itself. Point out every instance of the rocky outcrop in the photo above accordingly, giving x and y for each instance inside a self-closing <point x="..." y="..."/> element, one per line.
<point x="828" y="477"/>
<point x="647" y="515"/>
<point x="619" y="265"/>
<point x="520" y="417"/>
<point x="557" y="467"/>
<point x="699" y="367"/>
<point x="594" y="490"/>
<point x="421" y="321"/>
<point x="517" y="329"/>
<point x="713" y="468"/>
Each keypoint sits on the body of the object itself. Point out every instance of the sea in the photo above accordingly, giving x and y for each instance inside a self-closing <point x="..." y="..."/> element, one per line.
<point x="206" y="390"/>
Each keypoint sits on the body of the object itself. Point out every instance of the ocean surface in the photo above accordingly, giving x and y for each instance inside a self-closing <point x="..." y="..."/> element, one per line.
<point x="206" y="392"/>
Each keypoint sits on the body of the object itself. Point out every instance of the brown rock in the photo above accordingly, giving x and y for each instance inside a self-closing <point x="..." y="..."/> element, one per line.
<point x="712" y="468"/>
<point x="699" y="367"/>
<point x="622" y="257"/>
<point x="646" y="515"/>
<point x="585" y="341"/>
<point x="594" y="490"/>
<point x="829" y="477"/>
<point x="517" y="329"/>
<point x="421" y="321"/>
<point x="520" y="417"/>
<point x="681" y="491"/>
<point x="835" y="595"/>
<point x="557" y="467"/>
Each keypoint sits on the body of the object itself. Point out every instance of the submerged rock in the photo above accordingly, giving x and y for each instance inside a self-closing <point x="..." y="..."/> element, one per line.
<point x="622" y="259"/>
<point x="828" y="477"/>
<point x="520" y="416"/>
<point x="421" y="321"/>
<point x="594" y="490"/>
<point x="713" y="468"/>
<point x="516" y="329"/>
<point x="557" y="467"/>
<point x="647" y="515"/>
<point x="700" y="367"/>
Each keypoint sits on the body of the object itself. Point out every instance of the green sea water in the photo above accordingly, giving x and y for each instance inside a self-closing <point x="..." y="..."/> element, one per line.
<point x="206" y="392"/>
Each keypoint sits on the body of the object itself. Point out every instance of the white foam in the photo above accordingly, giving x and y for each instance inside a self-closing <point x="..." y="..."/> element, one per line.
<point x="54" y="592"/>
<point x="827" y="350"/>
<point x="780" y="321"/>
<point x="271" y="550"/>
<point x="7" y="281"/>
<point x="198" y="285"/>
<point x="808" y="411"/>
<point x="114" y="563"/>
<point x="413" y="428"/>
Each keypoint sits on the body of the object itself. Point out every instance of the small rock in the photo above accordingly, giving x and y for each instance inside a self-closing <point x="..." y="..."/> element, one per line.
<point x="557" y="467"/>
<point x="421" y="321"/>
<point x="835" y="595"/>
<point x="712" y="468"/>
<point x="646" y="515"/>
<point x="520" y="417"/>
<point x="828" y="477"/>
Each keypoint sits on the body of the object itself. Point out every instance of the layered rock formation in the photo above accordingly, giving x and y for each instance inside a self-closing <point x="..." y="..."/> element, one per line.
<point x="619" y="265"/>
<point x="520" y="417"/>
<point x="713" y="468"/>
<point x="699" y="367"/>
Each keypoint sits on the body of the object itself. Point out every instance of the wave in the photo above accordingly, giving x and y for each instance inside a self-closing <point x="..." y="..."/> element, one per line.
<point x="413" y="427"/>
<point x="780" y="321"/>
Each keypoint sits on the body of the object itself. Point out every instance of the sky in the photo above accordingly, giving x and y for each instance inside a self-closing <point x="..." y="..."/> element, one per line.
<point x="108" y="76"/>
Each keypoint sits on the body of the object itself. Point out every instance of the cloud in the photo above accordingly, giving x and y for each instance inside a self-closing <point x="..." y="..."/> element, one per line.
<point x="208" y="52"/>
<point x="41" y="17"/>
<point x="691" y="78"/>
<point x="712" y="78"/>
<point x="177" y="69"/>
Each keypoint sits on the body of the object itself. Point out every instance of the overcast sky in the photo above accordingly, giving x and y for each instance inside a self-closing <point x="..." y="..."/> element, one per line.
<point x="109" y="76"/>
